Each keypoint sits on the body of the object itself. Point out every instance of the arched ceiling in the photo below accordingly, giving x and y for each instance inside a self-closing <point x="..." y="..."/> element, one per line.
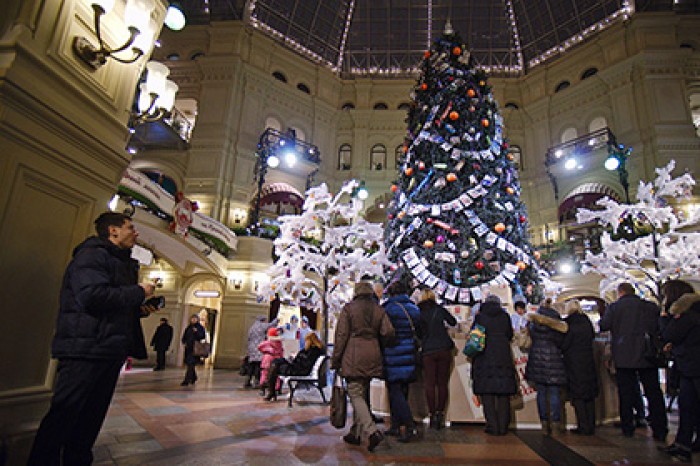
<point x="388" y="37"/>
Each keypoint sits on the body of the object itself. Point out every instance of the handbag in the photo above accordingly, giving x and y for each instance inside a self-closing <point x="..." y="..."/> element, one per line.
<point x="654" y="351"/>
<point x="339" y="403"/>
<point x="417" y="344"/>
<point x="201" y="349"/>
<point x="523" y="339"/>
<point x="476" y="341"/>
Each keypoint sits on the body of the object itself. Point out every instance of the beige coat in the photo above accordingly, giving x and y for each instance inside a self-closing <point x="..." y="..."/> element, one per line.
<point x="361" y="324"/>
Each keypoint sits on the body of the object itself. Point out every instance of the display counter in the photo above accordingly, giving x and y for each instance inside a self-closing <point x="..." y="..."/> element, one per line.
<point x="462" y="404"/>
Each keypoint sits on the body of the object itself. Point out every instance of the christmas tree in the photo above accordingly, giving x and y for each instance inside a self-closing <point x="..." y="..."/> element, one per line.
<point x="656" y="243"/>
<point x="456" y="223"/>
<point x="323" y="251"/>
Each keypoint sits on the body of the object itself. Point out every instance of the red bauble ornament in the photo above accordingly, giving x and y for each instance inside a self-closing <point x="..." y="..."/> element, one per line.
<point x="429" y="220"/>
<point x="523" y="219"/>
<point x="428" y="244"/>
<point x="451" y="177"/>
<point x="408" y="171"/>
<point x="485" y="123"/>
<point x="421" y="165"/>
<point x="426" y="54"/>
<point x="499" y="227"/>
<point x="394" y="188"/>
<point x="390" y="216"/>
<point x="423" y="87"/>
<point x="510" y="190"/>
<point x="521" y="265"/>
<point x="471" y="92"/>
<point x="454" y="115"/>
<point x="479" y="265"/>
<point x="457" y="51"/>
<point x="404" y="148"/>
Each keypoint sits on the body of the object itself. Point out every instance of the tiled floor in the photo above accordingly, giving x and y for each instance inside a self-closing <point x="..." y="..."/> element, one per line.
<point x="155" y="421"/>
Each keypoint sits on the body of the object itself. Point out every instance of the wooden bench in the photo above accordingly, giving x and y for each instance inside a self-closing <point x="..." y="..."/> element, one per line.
<point x="316" y="378"/>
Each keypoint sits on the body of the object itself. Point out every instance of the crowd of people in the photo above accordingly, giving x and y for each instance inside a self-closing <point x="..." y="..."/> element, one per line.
<point x="98" y="328"/>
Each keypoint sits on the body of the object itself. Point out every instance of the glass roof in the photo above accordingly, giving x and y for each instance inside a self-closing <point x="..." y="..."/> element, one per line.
<point x="388" y="37"/>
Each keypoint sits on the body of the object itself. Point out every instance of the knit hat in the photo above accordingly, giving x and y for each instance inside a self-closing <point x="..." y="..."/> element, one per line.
<point x="305" y="319"/>
<point x="272" y="332"/>
<point x="363" y="288"/>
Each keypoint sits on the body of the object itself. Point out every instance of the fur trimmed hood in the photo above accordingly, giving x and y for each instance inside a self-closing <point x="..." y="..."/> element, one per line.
<point x="684" y="303"/>
<point x="555" y="324"/>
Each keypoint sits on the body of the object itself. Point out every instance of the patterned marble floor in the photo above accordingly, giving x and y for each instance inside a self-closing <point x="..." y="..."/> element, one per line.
<point x="155" y="421"/>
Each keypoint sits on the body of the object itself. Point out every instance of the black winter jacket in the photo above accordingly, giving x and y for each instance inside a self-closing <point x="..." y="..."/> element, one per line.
<point x="545" y="362"/>
<point x="303" y="362"/>
<point x="628" y="319"/>
<point x="100" y="313"/>
<point x="683" y="332"/>
<point x="434" y="336"/>
<point x="192" y="333"/>
<point x="578" y="358"/>
<point x="162" y="337"/>
<point x="493" y="370"/>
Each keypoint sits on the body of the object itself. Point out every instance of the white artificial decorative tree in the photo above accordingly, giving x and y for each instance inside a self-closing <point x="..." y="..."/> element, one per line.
<point x="324" y="251"/>
<point x="660" y="243"/>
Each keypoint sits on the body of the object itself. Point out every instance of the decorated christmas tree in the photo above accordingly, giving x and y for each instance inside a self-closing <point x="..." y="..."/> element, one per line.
<point x="657" y="241"/>
<point x="456" y="223"/>
<point x="324" y="251"/>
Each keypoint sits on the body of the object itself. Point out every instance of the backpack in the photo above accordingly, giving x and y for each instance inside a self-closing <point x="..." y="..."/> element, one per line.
<point x="476" y="341"/>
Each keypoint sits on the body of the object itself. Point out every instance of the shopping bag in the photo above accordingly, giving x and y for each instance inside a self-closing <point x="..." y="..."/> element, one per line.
<point x="339" y="403"/>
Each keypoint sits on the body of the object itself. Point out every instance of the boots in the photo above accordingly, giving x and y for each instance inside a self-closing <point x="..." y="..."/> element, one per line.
<point x="439" y="420"/>
<point x="433" y="421"/>
<point x="546" y="428"/>
<point x="558" y="428"/>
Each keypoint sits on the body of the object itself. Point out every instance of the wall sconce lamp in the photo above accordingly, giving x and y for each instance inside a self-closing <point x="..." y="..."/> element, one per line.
<point x="157" y="94"/>
<point x="236" y="279"/>
<point x="238" y="215"/>
<point x="137" y="16"/>
<point x="206" y="294"/>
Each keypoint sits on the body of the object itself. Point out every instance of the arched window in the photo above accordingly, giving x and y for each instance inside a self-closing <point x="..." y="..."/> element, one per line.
<point x="377" y="157"/>
<point x="597" y="123"/>
<point x="381" y="106"/>
<point x="588" y="73"/>
<point x="304" y="88"/>
<point x="279" y="76"/>
<point x="272" y="122"/>
<point x="561" y="86"/>
<point x="512" y="106"/>
<point x="515" y="155"/>
<point x="568" y="134"/>
<point x="404" y="106"/>
<point x="348" y="106"/>
<point x="344" y="157"/>
<point x="398" y="156"/>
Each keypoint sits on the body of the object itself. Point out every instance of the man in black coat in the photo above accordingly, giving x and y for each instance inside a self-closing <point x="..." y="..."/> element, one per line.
<point x="161" y="342"/>
<point x="629" y="319"/>
<point x="98" y="327"/>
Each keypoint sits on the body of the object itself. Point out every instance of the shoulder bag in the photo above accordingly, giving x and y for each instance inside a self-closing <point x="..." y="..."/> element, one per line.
<point x="417" y="344"/>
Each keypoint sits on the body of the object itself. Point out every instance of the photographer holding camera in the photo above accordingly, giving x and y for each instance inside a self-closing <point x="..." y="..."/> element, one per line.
<point x="98" y="327"/>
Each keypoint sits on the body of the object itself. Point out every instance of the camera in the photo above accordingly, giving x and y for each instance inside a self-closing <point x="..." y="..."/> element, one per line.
<point x="157" y="302"/>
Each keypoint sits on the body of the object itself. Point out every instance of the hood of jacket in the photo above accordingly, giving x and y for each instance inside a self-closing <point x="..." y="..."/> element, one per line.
<point x="684" y="303"/>
<point x="490" y="308"/>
